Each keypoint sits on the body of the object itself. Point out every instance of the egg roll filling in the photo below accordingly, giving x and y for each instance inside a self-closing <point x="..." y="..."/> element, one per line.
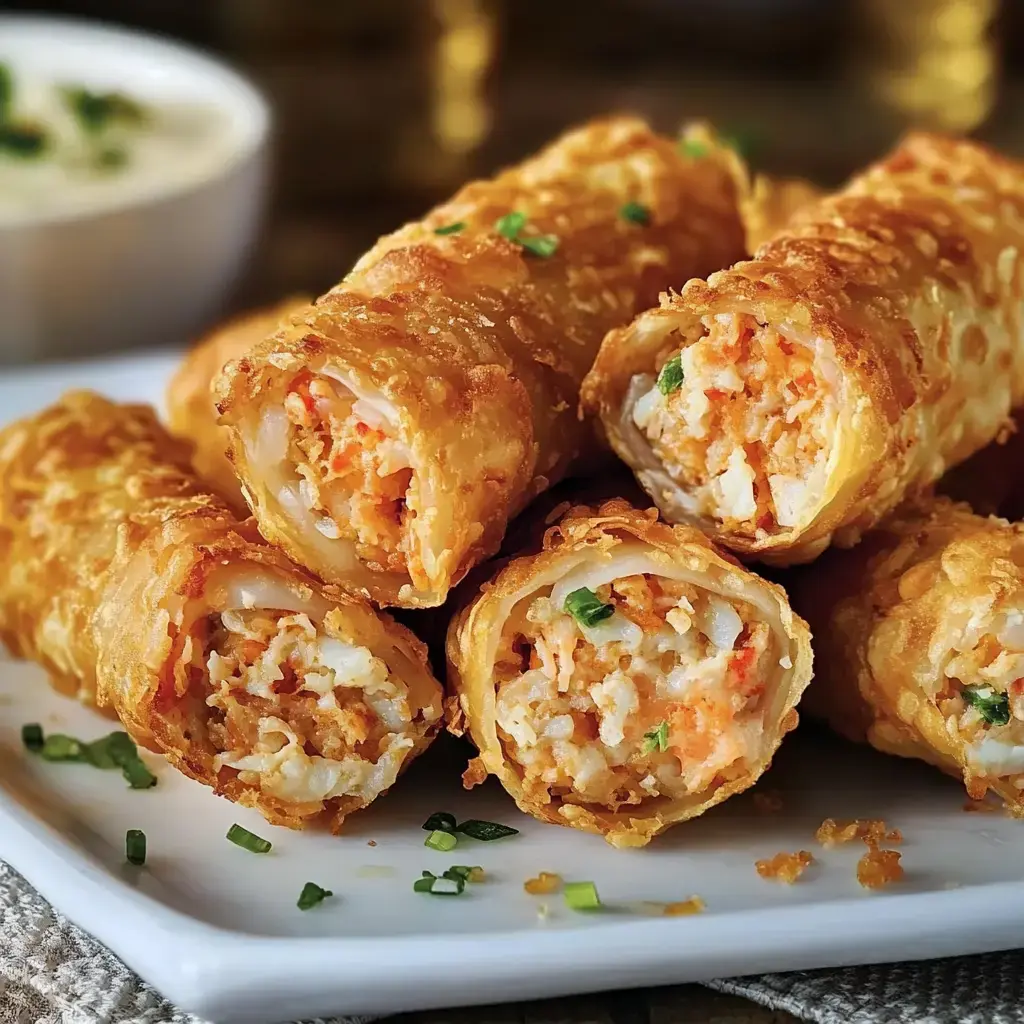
<point x="299" y="714"/>
<point x="742" y="430"/>
<point x="979" y="690"/>
<point x="664" y="697"/>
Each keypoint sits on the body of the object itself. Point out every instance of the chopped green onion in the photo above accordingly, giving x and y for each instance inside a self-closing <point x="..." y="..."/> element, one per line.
<point x="111" y="157"/>
<point x="656" y="738"/>
<point x="24" y="141"/>
<point x="465" y="872"/>
<point x="586" y="608"/>
<point x="57" y="747"/>
<point x="96" y="111"/>
<point x="992" y="706"/>
<point x="671" y="376"/>
<point x="6" y="92"/>
<point x="440" y="820"/>
<point x="32" y="737"/>
<point x="135" y="846"/>
<point x="581" y="896"/>
<point x="693" y="148"/>
<point x="439" y="886"/>
<point x="312" y="895"/>
<point x="247" y="840"/>
<point x="486" y="831"/>
<point x="450" y="229"/>
<point x="510" y="225"/>
<point x="440" y="840"/>
<point x="138" y="775"/>
<point x="637" y="213"/>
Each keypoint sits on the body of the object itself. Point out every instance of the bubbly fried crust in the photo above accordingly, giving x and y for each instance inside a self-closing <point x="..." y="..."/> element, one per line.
<point x="192" y="413"/>
<point x="109" y="544"/>
<point x="909" y="282"/>
<point x="481" y="346"/>
<point x="884" y="618"/>
<point x="473" y="638"/>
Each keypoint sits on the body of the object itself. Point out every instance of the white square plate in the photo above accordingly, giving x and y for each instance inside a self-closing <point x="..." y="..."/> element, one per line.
<point x="216" y="929"/>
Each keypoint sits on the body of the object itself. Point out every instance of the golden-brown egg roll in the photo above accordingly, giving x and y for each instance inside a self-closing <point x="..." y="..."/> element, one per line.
<point x="919" y="642"/>
<point x="141" y="592"/>
<point x="625" y="676"/>
<point x="772" y="203"/>
<point x="872" y="343"/>
<point x="191" y="411"/>
<point x="386" y="437"/>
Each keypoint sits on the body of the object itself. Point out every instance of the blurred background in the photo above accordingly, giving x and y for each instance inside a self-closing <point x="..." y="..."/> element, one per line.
<point x="384" y="106"/>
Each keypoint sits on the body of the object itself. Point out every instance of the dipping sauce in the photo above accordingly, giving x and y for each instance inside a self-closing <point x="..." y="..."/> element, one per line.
<point x="66" y="149"/>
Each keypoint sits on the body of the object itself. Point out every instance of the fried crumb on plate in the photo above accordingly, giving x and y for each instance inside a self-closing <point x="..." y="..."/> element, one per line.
<point x="768" y="802"/>
<point x="785" y="867"/>
<point x="871" y="830"/>
<point x="371" y="842"/>
<point x="474" y="774"/>
<point x="684" y="908"/>
<point x="879" y="868"/>
<point x="980" y="807"/>
<point x="546" y="882"/>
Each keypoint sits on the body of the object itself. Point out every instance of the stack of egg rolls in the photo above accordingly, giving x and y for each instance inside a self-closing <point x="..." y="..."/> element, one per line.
<point x="919" y="637"/>
<point x="192" y="413"/>
<point x="141" y="591"/>
<point x="386" y="435"/>
<point x="795" y="399"/>
<point x="622" y="676"/>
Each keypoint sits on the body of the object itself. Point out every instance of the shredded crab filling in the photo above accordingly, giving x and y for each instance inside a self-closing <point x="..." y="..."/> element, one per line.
<point x="303" y="716"/>
<point x="989" y="659"/>
<point x="355" y="472"/>
<point x="664" y="698"/>
<point x="747" y="433"/>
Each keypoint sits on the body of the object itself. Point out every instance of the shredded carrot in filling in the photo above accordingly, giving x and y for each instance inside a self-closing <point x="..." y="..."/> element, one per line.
<point x="747" y="432"/>
<point x="303" y="716"/>
<point x="355" y="474"/>
<point x="662" y="698"/>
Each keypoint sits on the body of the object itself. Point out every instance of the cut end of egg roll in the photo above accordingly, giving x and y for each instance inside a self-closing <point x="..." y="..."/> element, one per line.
<point x="192" y="414"/>
<point x="134" y="585"/>
<point x="626" y="677"/>
<point x="919" y="632"/>
<point x="797" y="398"/>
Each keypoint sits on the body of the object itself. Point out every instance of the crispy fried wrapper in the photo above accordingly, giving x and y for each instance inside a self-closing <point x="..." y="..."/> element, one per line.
<point x="192" y="413"/>
<point x="919" y="642"/>
<point x="772" y="203"/>
<point x="387" y="436"/>
<point x="625" y="676"/>
<point x="141" y="592"/>
<point x="875" y="341"/>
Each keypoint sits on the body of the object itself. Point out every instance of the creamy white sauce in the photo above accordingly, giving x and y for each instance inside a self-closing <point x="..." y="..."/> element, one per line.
<point x="174" y="145"/>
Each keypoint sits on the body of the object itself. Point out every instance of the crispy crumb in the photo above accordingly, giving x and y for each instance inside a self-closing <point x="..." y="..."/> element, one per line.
<point x="768" y="802"/>
<point x="980" y="807"/>
<point x="879" y="868"/>
<point x="474" y="774"/>
<point x="371" y="842"/>
<point x="684" y="908"/>
<point x="785" y="867"/>
<point x="546" y="882"/>
<point x="476" y="875"/>
<point x="871" y="830"/>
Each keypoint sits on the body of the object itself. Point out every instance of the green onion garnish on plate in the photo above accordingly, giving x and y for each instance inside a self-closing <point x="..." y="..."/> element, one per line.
<point x="440" y="820"/>
<point x="312" y="895"/>
<point x="135" y="846"/>
<point x="58" y="747"/>
<point x="6" y="91"/>
<point x="486" y="831"/>
<point x="670" y="378"/>
<point x="22" y="140"/>
<point x="441" y="840"/>
<point x="465" y="872"/>
<point x="587" y="608"/>
<point x="32" y="737"/>
<point x="443" y="885"/>
<point x="581" y="896"/>
<point x="636" y="213"/>
<point x="450" y="229"/>
<point x="248" y="840"/>
<point x="97" y="111"/>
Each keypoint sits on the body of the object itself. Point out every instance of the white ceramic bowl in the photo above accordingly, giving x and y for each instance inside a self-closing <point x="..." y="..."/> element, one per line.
<point x="150" y="267"/>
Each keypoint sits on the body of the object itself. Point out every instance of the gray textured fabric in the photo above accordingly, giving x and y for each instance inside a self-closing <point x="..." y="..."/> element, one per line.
<point x="53" y="973"/>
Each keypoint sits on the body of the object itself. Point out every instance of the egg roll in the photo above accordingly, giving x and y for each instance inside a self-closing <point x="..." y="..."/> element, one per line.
<point x="992" y="480"/>
<point x="770" y="205"/>
<point x="795" y="399"/>
<point x="624" y="676"/>
<point x="919" y="638"/>
<point x="387" y="435"/>
<point x="191" y="411"/>
<point x="141" y="592"/>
